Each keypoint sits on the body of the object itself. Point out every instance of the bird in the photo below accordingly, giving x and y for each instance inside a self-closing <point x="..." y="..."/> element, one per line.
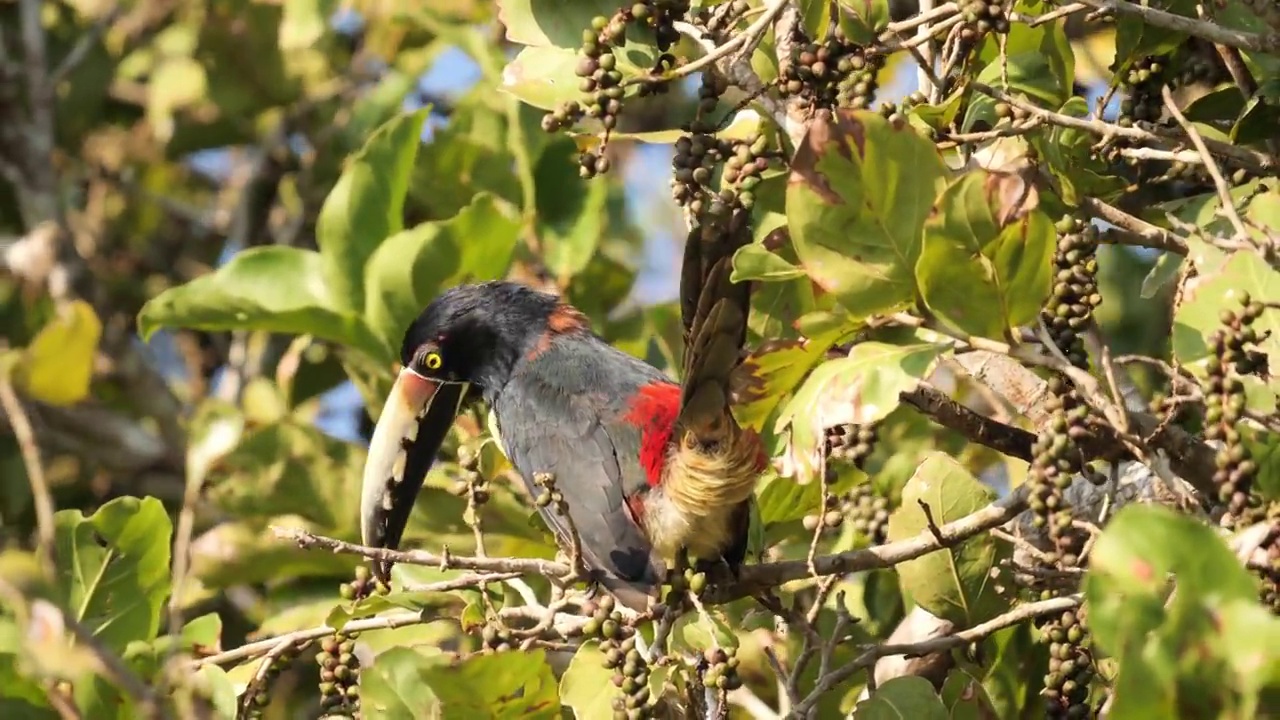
<point x="652" y="471"/>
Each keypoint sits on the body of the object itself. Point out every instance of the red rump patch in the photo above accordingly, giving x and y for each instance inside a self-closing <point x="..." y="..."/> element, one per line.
<point x="654" y="409"/>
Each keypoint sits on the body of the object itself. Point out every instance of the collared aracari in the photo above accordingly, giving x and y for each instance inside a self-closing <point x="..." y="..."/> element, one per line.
<point x="649" y="468"/>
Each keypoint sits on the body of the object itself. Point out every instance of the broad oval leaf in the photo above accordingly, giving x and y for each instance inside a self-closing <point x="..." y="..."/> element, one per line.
<point x="113" y="569"/>
<point x="859" y="192"/>
<point x="551" y="23"/>
<point x="58" y="364"/>
<point x="512" y="685"/>
<point x="395" y="687"/>
<point x="1160" y="582"/>
<point x="413" y="266"/>
<point x="861" y="388"/>
<point x="272" y="288"/>
<point x="366" y="206"/>
<point x="756" y="262"/>
<point x="586" y="688"/>
<point x="987" y="262"/>
<point x="954" y="583"/>
<point x="902" y="697"/>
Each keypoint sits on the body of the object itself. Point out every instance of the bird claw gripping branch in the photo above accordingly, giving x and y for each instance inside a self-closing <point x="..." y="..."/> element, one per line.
<point x="647" y="468"/>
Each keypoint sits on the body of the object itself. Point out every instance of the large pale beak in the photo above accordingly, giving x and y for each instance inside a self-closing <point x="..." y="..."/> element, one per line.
<point x="414" y="421"/>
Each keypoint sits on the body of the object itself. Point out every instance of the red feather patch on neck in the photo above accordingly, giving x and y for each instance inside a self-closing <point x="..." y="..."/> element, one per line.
<point x="654" y="409"/>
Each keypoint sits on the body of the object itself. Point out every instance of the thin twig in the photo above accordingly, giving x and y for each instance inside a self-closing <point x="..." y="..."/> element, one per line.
<point x="869" y="656"/>
<point x="40" y="494"/>
<point x="83" y="45"/>
<point x="1219" y="182"/>
<point x="1254" y="160"/>
<point x="747" y="38"/>
<point x="1191" y="26"/>
<point x="112" y="667"/>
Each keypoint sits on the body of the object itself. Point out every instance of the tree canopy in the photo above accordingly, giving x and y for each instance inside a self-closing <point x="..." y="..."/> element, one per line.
<point x="1014" y="336"/>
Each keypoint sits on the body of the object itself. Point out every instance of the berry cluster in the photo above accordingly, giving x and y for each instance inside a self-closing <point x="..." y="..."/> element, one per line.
<point x="836" y="73"/>
<point x="262" y="695"/>
<point x="339" y="674"/>
<point x="830" y="519"/>
<point x="548" y="495"/>
<point x="601" y="81"/>
<point x="1075" y="288"/>
<point x="1055" y="463"/>
<point x="721" y="670"/>
<point x="631" y="670"/>
<point x="497" y="638"/>
<point x="471" y="484"/>
<point x="869" y="512"/>
<point x="1225" y="403"/>
<point x="1066" y="685"/>
<point x="1142" y="86"/>
<point x="852" y="444"/>
<point x="696" y="158"/>
<point x="1005" y="111"/>
<point x="982" y="17"/>
<point x="1198" y="62"/>
<point x="362" y="586"/>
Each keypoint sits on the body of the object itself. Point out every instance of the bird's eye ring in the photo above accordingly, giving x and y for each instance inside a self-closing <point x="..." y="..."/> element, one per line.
<point x="432" y="360"/>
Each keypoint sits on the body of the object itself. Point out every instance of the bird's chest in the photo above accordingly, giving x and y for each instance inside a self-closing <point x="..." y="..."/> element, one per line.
<point x="670" y="525"/>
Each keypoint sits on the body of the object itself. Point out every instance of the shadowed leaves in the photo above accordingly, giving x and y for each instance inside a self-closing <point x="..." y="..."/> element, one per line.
<point x="986" y="265"/>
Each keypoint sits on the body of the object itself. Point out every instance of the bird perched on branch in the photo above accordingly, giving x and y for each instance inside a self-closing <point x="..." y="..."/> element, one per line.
<point x="649" y="468"/>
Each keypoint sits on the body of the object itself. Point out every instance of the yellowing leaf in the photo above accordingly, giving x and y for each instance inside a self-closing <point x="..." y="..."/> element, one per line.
<point x="58" y="363"/>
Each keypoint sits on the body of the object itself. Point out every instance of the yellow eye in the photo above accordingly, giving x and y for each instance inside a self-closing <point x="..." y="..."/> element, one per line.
<point x="432" y="361"/>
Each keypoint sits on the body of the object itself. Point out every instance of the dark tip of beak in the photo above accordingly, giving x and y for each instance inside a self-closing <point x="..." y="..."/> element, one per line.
<point x="414" y="422"/>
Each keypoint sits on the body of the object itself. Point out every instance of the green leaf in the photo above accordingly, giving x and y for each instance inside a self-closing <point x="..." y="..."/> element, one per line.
<point x="395" y="686"/>
<point x="1177" y="648"/>
<point x="551" y="23"/>
<point x="477" y="151"/>
<point x="585" y="687"/>
<point x="366" y="206"/>
<point x="510" y="685"/>
<point x="863" y="20"/>
<point x="271" y="288"/>
<point x="1136" y="39"/>
<point x="771" y="372"/>
<point x="817" y="18"/>
<point x="986" y="265"/>
<point x="953" y="583"/>
<point x="213" y="683"/>
<point x="1162" y="273"/>
<point x="859" y="193"/>
<point x="572" y="213"/>
<point x="1070" y="158"/>
<point x="304" y="23"/>
<point x="859" y="389"/>
<point x="783" y="500"/>
<point x="756" y="262"/>
<point x="413" y="266"/>
<point x="965" y="698"/>
<point x="58" y="364"/>
<point x="900" y="698"/>
<point x="113" y="570"/>
<point x="694" y="632"/>
<point x="177" y="82"/>
<point x="542" y="77"/>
